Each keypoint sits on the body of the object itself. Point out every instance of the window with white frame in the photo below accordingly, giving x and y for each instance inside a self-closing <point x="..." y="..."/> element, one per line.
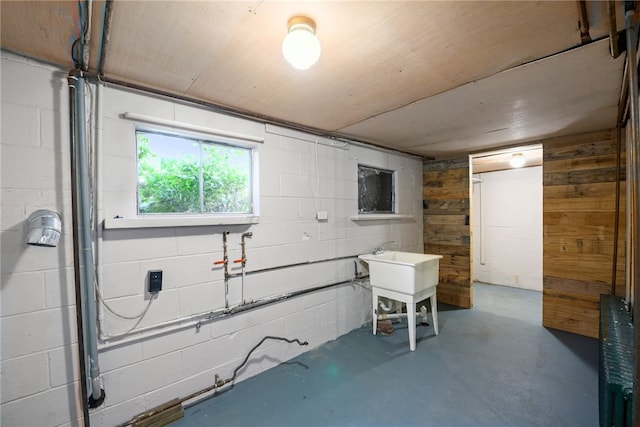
<point x="376" y="190"/>
<point x="178" y="174"/>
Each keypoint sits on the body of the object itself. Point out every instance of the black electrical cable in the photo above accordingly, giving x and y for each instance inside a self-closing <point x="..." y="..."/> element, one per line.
<point x="219" y="383"/>
<point x="255" y="347"/>
<point x="78" y="43"/>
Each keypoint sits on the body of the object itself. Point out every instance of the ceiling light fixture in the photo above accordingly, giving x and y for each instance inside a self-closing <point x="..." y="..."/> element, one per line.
<point x="301" y="47"/>
<point x="517" y="160"/>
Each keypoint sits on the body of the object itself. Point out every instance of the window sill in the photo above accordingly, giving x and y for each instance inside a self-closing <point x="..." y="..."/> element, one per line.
<point x="177" y="221"/>
<point x="378" y="217"/>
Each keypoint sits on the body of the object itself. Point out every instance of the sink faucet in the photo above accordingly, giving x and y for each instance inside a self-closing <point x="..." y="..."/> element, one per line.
<point x="380" y="248"/>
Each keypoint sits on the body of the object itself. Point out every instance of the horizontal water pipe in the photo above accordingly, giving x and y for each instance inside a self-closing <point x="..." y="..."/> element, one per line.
<point x="386" y="316"/>
<point x="198" y="319"/>
<point x="298" y="264"/>
<point x="193" y="319"/>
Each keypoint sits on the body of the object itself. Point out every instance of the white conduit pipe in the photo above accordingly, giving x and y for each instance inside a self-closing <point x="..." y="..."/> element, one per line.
<point x="483" y="252"/>
<point x="85" y="244"/>
<point x="99" y="202"/>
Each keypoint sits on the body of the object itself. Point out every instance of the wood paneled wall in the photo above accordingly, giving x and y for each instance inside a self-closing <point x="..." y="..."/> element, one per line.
<point x="578" y="229"/>
<point x="447" y="232"/>
<point x="579" y="173"/>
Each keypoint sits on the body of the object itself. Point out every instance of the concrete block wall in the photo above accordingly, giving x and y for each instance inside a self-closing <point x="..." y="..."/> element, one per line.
<point x="39" y="363"/>
<point x="510" y="211"/>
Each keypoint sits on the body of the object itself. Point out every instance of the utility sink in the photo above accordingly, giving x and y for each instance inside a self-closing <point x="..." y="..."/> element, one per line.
<point x="406" y="277"/>
<point x="404" y="272"/>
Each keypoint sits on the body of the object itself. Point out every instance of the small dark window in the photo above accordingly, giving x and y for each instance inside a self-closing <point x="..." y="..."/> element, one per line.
<point x="375" y="190"/>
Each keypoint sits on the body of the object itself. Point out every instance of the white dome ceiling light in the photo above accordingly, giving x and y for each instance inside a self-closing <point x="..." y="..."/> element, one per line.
<point x="301" y="47"/>
<point x="517" y="160"/>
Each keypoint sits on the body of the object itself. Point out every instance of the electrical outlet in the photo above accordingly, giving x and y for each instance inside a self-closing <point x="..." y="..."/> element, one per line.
<point x="322" y="215"/>
<point x="155" y="281"/>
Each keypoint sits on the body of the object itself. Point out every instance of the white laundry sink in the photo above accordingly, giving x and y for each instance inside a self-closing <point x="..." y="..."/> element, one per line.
<point x="405" y="272"/>
<point x="406" y="277"/>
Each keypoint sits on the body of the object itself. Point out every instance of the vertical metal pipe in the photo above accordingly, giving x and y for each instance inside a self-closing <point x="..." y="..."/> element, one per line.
<point x="106" y="30"/>
<point x="613" y="30"/>
<point x="632" y="38"/>
<point x="628" y="220"/>
<point x="583" y="21"/>
<point x="86" y="36"/>
<point x="76" y="256"/>
<point x="201" y="177"/>
<point x="98" y="195"/>
<point x="616" y="226"/>
<point x="226" y="268"/>
<point x="632" y="151"/>
<point x="84" y="240"/>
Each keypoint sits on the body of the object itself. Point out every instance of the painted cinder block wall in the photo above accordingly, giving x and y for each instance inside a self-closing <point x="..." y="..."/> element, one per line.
<point x="507" y="205"/>
<point x="39" y="381"/>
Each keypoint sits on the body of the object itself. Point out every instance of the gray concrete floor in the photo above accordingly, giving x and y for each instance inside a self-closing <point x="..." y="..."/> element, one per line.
<point x="493" y="365"/>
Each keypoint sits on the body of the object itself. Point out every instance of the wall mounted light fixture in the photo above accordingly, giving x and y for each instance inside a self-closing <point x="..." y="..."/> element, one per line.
<point x="43" y="228"/>
<point x="517" y="160"/>
<point x="301" y="47"/>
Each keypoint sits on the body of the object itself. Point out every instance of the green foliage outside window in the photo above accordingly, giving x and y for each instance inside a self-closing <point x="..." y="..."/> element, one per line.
<point x="180" y="175"/>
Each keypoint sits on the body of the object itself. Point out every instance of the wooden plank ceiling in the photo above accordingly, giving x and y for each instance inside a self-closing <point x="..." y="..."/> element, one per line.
<point x="431" y="78"/>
